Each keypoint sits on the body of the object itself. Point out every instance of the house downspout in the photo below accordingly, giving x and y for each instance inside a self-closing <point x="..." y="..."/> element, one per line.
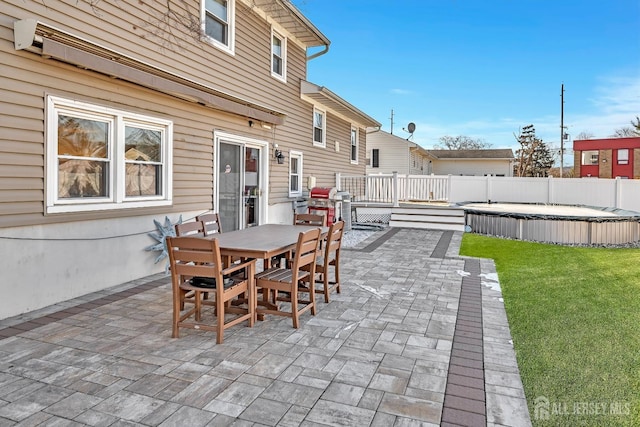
<point x="317" y="54"/>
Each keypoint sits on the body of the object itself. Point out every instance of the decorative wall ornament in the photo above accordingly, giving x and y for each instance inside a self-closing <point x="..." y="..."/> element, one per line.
<point x="160" y="236"/>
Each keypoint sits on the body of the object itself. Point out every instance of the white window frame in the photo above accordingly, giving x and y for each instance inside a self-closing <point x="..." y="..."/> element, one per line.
<point x="283" y="57"/>
<point x="623" y="160"/>
<point x="296" y="155"/>
<point x="228" y="47"/>
<point x="354" y="161"/>
<point x="116" y="192"/>
<point x="322" y="143"/>
<point x="590" y="157"/>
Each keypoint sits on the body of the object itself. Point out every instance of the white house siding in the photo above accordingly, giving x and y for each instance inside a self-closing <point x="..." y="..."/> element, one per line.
<point x="394" y="153"/>
<point x="472" y="167"/>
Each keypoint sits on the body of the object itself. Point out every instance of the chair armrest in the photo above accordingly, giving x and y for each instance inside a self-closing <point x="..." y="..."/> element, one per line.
<point x="236" y="267"/>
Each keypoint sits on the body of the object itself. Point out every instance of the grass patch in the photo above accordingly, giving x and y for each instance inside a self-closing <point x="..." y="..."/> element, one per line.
<point x="574" y="315"/>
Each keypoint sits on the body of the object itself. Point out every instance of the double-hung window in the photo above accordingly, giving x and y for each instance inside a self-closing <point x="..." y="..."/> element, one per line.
<point x="218" y="23"/>
<point x="354" y="144"/>
<point x="278" y="56"/>
<point x="319" y="128"/>
<point x="623" y="156"/>
<point x="295" y="174"/>
<point x="100" y="158"/>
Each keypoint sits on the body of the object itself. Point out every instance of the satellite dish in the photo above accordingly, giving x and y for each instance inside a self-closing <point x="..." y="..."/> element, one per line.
<point x="411" y="127"/>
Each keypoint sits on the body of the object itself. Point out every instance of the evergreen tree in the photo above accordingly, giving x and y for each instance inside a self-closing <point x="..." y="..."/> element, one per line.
<point x="534" y="158"/>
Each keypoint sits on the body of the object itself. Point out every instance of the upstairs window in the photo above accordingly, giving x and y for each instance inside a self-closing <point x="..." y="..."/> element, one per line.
<point x="295" y="174"/>
<point x="590" y="157"/>
<point x="218" y="19"/>
<point x="101" y="158"/>
<point x="375" y="161"/>
<point x="354" y="144"/>
<point x="623" y="156"/>
<point x="319" y="127"/>
<point x="278" y="56"/>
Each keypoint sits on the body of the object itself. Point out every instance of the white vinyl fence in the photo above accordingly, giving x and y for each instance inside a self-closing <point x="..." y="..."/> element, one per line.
<point x="392" y="189"/>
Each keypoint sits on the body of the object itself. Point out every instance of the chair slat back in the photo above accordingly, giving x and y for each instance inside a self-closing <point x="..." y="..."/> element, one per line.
<point x="211" y="223"/>
<point x="192" y="228"/>
<point x="308" y="219"/>
<point x="334" y="238"/>
<point x="306" y="249"/>
<point x="193" y="256"/>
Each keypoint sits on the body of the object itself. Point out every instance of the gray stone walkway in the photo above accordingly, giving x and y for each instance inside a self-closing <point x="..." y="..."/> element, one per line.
<point x="419" y="336"/>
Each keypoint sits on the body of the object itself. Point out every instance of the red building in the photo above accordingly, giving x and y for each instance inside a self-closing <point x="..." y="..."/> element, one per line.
<point x="607" y="158"/>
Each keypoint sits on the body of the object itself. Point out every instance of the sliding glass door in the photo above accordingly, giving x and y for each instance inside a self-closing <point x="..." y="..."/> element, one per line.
<point x="241" y="181"/>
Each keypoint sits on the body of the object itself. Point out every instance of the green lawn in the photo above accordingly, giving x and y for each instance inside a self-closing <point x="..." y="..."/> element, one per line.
<point x="574" y="315"/>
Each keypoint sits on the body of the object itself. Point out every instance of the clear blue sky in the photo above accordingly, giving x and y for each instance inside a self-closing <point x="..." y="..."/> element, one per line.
<point x="483" y="68"/>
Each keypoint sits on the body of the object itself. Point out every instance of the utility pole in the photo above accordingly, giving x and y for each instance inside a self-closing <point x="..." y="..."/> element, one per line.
<point x="391" y="121"/>
<point x="561" y="129"/>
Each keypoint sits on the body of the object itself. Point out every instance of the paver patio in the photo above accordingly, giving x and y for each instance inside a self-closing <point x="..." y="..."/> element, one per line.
<point x="418" y="336"/>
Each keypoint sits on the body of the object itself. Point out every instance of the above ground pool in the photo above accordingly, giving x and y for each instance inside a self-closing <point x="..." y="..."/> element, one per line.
<point x="575" y="225"/>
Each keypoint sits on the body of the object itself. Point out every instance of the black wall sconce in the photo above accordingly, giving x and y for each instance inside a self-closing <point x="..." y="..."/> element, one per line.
<point x="278" y="154"/>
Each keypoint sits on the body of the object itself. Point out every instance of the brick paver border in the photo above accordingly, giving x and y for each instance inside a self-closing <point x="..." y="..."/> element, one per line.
<point x="80" y="308"/>
<point x="464" y="399"/>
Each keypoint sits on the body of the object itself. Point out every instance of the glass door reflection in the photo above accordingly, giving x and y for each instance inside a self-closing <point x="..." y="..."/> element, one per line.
<point x="252" y="191"/>
<point x="230" y="186"/>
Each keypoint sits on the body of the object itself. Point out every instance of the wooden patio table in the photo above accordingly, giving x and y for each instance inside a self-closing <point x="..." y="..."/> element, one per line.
<point x="262" y="242"/>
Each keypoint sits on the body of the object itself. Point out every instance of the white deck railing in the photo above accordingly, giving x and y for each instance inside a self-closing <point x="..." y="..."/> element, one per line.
<point x="392" y="189"/>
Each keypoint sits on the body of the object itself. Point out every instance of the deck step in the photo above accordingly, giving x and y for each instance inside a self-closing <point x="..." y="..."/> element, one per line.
<point x="435" y="218"/>
<point x="428" y="218"/>
<point x="426" y="225"/>
<point x="436" y="211"/>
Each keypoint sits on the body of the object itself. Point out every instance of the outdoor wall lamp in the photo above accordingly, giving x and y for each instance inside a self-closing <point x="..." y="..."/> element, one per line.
<point x="278" y="154"/>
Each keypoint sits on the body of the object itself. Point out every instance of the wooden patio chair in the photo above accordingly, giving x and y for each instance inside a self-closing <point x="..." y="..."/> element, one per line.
<point x="287" y="280"/>
<point x="192" y="228"/>
<point x="211" y="223"/>
<point x="330" y="260"/>
<point x="309" y="219"/>
<point x="196" y="266"/>
<point x="299" y="219"/>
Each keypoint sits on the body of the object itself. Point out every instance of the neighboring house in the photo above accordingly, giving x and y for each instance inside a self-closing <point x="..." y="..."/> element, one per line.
<point x="114" y="117"/>
<point x="496" y="162"/>
<point x="388" y="153"/>
<point x="607" y="158"/>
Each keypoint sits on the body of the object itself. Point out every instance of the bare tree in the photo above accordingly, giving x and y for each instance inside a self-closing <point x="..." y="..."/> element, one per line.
<point x="461" y="142"/>
<point x="624" y="132"/>
<point x="585" y="135"/>
<point x="628" y="131"/>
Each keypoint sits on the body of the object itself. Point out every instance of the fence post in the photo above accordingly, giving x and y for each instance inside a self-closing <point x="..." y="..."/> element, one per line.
<point x="550" y="197"/>
<point x="488" y="177"/>
<point x="406" y="187"/>
<point x="338" y="181"/>
<point x="618" y="193"/>
<point x="396" y="189"/>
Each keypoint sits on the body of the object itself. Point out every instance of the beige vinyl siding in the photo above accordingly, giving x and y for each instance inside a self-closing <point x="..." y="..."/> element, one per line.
<point x="22" y="172"/>
<point x="21" y="140"/>
<point x="475" y="167"/>
<point x="120" y="27"/>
